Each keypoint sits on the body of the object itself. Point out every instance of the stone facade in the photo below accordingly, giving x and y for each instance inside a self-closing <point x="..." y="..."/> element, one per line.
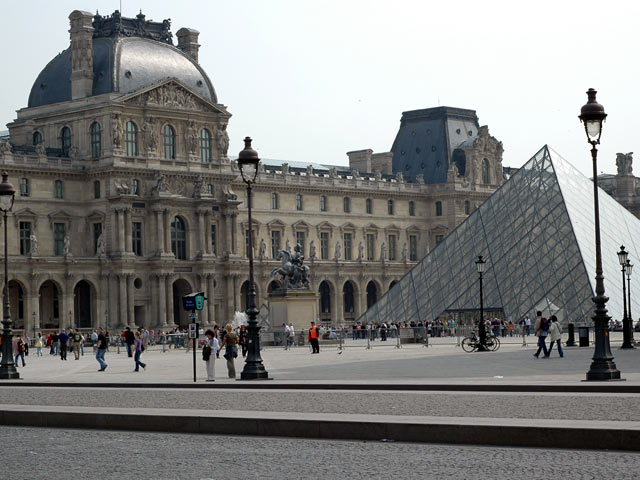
<point x="125" y="201"/>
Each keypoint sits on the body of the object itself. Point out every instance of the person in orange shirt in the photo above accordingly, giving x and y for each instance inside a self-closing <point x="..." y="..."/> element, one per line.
<point x="312" y="336"/>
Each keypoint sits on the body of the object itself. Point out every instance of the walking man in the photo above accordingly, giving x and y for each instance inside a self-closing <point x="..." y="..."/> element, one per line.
<point x="77" y="341"/>
<point x="555" y="335"/>
<point x="63" y="338"/>
<point x="129" y="339"/>
<point x="542" y="330"/>
<point x="312" y="336"/>
<point x="292" y="332"/>
<point x="138" y="348"/>
<point x="102" y="348"/>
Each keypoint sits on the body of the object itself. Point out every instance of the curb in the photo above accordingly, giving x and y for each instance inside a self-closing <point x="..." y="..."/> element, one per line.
<point x="530" y="433"/>
<point x="614" y="387"/>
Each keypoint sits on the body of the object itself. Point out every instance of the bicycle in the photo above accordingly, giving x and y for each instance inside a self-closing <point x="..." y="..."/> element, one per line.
<point x="472" y="343"/>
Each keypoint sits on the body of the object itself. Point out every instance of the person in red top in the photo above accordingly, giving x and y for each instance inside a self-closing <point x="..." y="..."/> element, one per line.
<point x="312" y="336"/>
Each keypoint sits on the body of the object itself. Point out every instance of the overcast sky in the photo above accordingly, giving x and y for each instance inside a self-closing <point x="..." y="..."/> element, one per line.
<point x="311" y="80"/>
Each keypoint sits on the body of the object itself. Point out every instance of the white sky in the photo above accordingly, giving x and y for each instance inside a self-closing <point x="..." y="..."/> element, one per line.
<point x="310" y="81"/>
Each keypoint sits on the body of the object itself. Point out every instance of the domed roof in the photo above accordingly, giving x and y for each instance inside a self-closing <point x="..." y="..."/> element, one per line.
<point x="122" y="64"/>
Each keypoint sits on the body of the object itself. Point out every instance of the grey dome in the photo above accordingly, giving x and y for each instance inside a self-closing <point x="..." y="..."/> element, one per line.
<point x="122" y="65"/>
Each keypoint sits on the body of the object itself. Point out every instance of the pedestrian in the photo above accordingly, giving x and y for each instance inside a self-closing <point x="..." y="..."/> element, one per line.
<point x="312" y="337"/>
<point x="55" y="344"/>
<point x="77" y="341"/>
<point x="129" y="339"/>
<point x="527" y="324"/>
<point x="242" y="340"/>
<point x="216" y="333"/>
<point x="555" y="335"/>
<point x="285" y="330"/>
<point x="94" y="340"/>
<point x="229" y="343"/>
<point x="102" y="348"/>
<point x="139" y="348"/>
<point x="292" y="332"/>
<point x="542" y="330"/>
<point x="18" y="350"/>
<point x="209" y="352"/>
<point x="63" y="338"/>
<point x="39" y="345"/>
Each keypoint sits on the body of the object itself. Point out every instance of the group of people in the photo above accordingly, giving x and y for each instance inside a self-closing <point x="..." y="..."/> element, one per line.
<point x="548" y="328"/>
<point x="227" y="340"/>
<point x="59" y="343"/>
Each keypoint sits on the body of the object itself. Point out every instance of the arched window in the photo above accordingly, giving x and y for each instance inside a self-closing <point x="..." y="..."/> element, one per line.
<point x="467" y="207"/>
<point x="390" y="207"/>
<point x="323" y="203"/>
<point x="372" y="294"/>
<point x="347" y="205"/>
<point x="135" y="186"/>
<point x="274" y="201"/>
<point x="65" y="140"/>
<point x="485" y="170"/>
<point x="169" y="142"/>
<point x="412" y="208"/>
<point x="96" y="189"/>
<point x="57" y="189"/>
<point x="325" y="298"/>
<point x="179" y="238"/>
<point x="299" y="201"/>
<point x="37" y="138"/>
<point x="347" y="291"/>
<point x="369" y="205"/>
<point x="438" y="209"/>
<point x="205" y="146"/>
<point x="96" y="140"/>
<point x="131" y="139"/>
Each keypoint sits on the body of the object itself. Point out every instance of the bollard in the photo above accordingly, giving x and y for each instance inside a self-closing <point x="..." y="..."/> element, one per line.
<point x="524" y="336"/>
<point x="572" y="339"/>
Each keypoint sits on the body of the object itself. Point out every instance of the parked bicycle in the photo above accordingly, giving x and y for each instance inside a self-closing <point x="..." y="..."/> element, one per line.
<point x="472" y="343"/>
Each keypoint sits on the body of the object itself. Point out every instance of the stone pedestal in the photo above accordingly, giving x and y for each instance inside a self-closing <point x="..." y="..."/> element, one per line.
<point x="299" y="307"/>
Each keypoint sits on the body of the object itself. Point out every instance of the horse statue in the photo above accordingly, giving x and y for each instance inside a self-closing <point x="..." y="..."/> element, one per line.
<point x="293" y="272"/>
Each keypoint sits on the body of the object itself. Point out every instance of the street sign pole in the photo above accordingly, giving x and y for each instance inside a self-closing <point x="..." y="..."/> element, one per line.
<point x="193" y="334"/>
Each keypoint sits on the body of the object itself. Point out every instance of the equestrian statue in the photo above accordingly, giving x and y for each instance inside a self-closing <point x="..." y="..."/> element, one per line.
<point x="293" y="272"/>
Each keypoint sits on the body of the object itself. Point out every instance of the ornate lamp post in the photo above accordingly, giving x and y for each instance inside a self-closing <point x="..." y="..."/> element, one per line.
<point x="629" y="269"/>
<point x="602" y="367"/>
<point x="482" y="332"/>
<point x="248" y="161"/>
<point x="623" y="256"/>
<point x="7" y="367"/>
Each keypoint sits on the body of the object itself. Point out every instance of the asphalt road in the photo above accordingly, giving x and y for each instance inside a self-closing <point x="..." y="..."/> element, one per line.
<point x="51" y="454"/>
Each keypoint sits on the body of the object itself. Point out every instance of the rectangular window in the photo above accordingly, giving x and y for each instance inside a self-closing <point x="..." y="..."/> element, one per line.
<point x="438" y="209"/>
<point x="392" y="247"/>
<point x="439" y="238"/>
<point x="301" y="239"/>
<point x="324" y="245"/>
<point x="136" y="238"/>
<point x="213" y="240"/>
<point x="298" y="202"/>
<point x="274" y="201"/>
<point x="25" y="238"/>
<point x="371" y="245"/>
<point x="347" y="205"/>
<point x="58" y="238"/>
<point x="275" y="244"/>
<point x="347" y="245"/>
<point x="97" y="231"/>
<point x="413" y="248"/>
<point x="323" y="203"/>
<point x="369" y="204"/>
<point x="24" y="187"/>
<point x="412" y="209"/>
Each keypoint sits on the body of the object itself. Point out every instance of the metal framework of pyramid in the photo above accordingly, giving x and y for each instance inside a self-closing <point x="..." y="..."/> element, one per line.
<point x="537" y="234"/>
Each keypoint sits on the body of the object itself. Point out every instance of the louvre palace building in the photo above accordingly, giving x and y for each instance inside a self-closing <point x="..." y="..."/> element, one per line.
<point x="128" y="197"/>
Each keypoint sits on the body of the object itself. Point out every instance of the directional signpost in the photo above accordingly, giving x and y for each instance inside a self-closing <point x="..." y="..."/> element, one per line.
<point x="194" y="302"/>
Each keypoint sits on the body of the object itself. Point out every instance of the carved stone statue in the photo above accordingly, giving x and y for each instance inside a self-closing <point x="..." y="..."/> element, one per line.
<point x="122" y="187"/>
<point x="288" y="246"/>
<point x="223" y="140"/>
<point x="333" y="172"/>
<point x="405" y="253"/>
<point x="285" y="168"/>
<point x="399" y="177"/>
<point x="5" y="147"/>
<point x="355" y="174"/>
<point x="383" y="252"/>
<point x="262" y="251"/>
<point x="100" y="246"/>
<point x="150" y="134"/>
<point x="360" y="251"/>
<point x="34" y="244"/>
<point x="420" y="178"/>
<point x="338" y="252"/>
<point x="161" y="186"/>
<point x="116" y="130"/>
<point x="378" y="175"/>
<point x="40" y="150"/>
<point x="198" y="185"/>
<point x="67" y="246"/>
<point x="293" y="272"/>
<point x="624" y="163"/>
<point x="309" y="170"/>
<point x="192" y="138"/>
<point x="312" y="251"/>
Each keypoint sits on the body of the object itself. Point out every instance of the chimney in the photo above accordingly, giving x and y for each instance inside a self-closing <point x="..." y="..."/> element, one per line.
<point x="81" y="33"/>
<point x="360" y="160"/>
<point x="188" y="42"/>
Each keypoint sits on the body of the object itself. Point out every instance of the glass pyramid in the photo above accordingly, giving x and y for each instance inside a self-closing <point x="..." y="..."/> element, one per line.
<point x="536" y="233"/>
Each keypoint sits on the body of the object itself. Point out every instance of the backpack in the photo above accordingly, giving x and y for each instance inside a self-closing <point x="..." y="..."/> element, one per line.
<point x="544" y="324"/>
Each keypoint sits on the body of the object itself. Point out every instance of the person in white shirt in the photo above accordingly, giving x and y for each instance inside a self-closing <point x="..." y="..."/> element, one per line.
<point x="287" y="333"/>
<point x="211" y="341"/>
<point x="292" y="333"/>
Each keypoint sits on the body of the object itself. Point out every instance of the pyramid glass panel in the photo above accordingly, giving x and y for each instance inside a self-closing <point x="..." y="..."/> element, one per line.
<point x="537" y="234"/>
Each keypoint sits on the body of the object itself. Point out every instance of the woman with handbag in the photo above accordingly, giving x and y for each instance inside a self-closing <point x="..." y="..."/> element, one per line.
<point x="230" y="344"/>
<point x="209" y="352"/>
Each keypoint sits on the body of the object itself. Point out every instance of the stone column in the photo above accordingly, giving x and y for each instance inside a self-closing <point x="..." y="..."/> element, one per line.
<point x="207" y="234"/>
<point x="234" y="236"/>
<point x="128" y="244"/>
<point x="102" y="302"/>
<point x="167" y="231"/>
<point x="211" y="303"/>
<point x="203" y="317"/>
<point x="122" y="287"/>
<point x="120" y="213"/>
<point x="160" y="231"/>
<point x="227" y="235"/>
<point x="201" y="234"/>
<point x="162" y="300"/>
<point x="169" y="294"/>
<point x="130" y="303"/>
<point x="32" y="322"/>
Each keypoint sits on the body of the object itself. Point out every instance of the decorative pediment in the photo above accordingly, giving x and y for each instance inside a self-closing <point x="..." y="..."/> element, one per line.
<point x="439" y="230"/>
<point x="391" y="228"/>
<point x="276" y="225"/>
<point x="325" y="227"/>
<point x="95" y="217"/>
<point x="347" y="227"/>
<point x="413" y="228"/>
<point x="59" y="216"/>
<point x="171" y="93"/>
<point x="25" y="214"/>
<point x="300" y="225"/>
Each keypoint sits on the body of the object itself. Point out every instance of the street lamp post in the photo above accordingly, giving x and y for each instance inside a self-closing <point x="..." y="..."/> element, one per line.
<point x="33" y="323"/>
<point x="7" y="367"/>
<point x="248" y="161"/>
<point x="482" y="331"/>
<point x="623" y="257"/>
<point x="602" y="366"/>
<point x="629" y="269"/>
